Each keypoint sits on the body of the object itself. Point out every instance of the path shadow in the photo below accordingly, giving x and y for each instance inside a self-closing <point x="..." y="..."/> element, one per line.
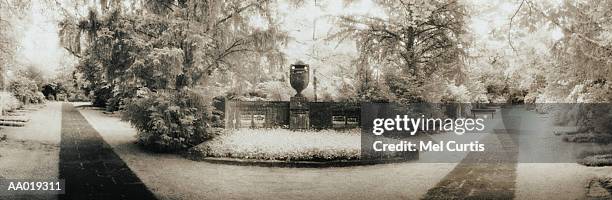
<point x="90" y="167"/>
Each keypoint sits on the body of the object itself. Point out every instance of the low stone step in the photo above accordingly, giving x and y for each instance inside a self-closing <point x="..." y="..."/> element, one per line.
<point x="14" y="114"/>
<point x="13" y="124"/>
<point x="14" y="119"/>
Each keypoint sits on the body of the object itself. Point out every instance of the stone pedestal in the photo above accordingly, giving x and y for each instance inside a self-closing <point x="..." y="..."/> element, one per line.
<point x="299" y="114"/>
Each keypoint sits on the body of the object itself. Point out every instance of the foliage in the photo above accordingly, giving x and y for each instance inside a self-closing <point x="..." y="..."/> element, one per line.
<point x="368" y="87"/>
<point x="9" y="101"/>
<point x="26" y="90"/>
<point x="66" y="84"/>
<point x="101" y="97"/>
<point x="406" y="88"/>
<point x="170" y="47"/>
<point x="169" y="121"/>
<point x="418" y="40"/>
<point x="167" y="49"/>
<point x="12" y="13"/>
<point x="51" y="90"/>
<point x="597" y="158"/>
<point x="282" y="144"/>
<point x="457" y="94"/>
<point x="588" y="138"/>
<point x="581" y="70"/>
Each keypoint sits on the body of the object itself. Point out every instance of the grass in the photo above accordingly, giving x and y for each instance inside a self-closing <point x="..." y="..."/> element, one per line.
<point x="283" y="144"/>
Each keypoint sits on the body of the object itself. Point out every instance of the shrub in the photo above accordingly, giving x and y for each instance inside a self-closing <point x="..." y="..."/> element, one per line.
<point x="517" y="96"/>
<point x="9" y="102"/>
<point x="597" y="160"/>
<point x="78" y="97"/>
<point x="218" y="114"/>
<point x="38" y="97"/>
<point x="101" y="96"/>
<point x="606" y="182"/>
<point x="169" y="121"/>
<point x="589" y="137"/>
<point x="26" y="90"/>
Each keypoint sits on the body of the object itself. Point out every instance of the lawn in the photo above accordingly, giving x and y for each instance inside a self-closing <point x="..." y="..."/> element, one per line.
<point x="283" y="144"/>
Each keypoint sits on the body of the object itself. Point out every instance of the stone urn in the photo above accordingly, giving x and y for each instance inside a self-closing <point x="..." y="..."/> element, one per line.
<point x="299" y="77"/>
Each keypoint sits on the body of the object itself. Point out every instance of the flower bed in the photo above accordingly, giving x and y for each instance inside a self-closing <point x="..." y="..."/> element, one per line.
<point x="282" y="144"/>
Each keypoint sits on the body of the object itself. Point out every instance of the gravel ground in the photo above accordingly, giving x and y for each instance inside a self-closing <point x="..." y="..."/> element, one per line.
<point x="32" y="151"/>
<point x="562" y="180"/>
<point x="555" y="180"/>
<point x="174" y="177"/>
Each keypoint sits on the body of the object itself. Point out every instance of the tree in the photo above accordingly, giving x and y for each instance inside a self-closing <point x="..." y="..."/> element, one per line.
<point x="175" y="46"/>
<point x="149" y="57"/>
<point x="26" y="90"/>
<point x="13" y="14"/>
<point x="417" y="39"/>
<point x="582" y="69"/>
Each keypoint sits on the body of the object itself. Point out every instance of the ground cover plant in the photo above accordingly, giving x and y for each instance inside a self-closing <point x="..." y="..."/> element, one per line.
<point x="283" y="144"/>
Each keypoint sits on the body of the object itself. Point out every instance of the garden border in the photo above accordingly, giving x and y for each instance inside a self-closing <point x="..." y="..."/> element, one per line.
<point x="298" y="164"/>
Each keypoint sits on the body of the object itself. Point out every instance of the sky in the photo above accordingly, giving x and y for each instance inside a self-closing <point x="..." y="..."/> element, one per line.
<point x="303" y="21"/>
<point x="40" y="44"/>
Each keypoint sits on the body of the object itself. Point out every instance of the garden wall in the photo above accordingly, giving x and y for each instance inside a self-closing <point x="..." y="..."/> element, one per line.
<point x="275" y="114"/>
<point x="322" y="115"/>
<point x="256" y="114"/>
<point x="336" y="115"/>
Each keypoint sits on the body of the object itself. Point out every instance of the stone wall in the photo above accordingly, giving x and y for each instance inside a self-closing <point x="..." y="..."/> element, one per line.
<point x="256" y="114"/>
<point x="275" y="114"/>
<point x="336" y="115"/>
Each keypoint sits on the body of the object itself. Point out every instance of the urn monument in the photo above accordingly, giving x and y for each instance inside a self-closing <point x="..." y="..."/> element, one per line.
<point x="299" y="77"/>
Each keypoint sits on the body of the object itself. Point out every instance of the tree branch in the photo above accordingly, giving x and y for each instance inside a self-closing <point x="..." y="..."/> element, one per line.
<point x="72" y="52"/>
<point x="567" y="30"/>
<point x="510" y="27"/>
<point x="238" y="11"/>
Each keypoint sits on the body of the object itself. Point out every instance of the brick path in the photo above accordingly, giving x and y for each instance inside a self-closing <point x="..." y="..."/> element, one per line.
<point x="90" y="167"/>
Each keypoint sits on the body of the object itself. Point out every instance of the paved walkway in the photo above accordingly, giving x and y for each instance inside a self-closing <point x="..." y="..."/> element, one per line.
<point x="90" y="167"/>
<point x="482" y="175"/>
<point x="485" y="175"/>
<point x="494" y="175"/>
